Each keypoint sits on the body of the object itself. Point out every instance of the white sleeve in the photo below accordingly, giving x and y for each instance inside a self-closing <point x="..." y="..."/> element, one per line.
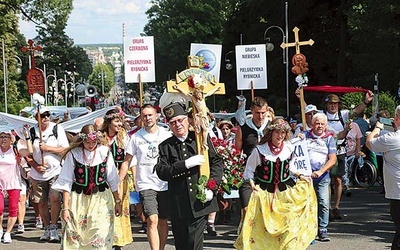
<point x="252" y="162"/>
<point x="112" y="174"/>
<point x="66" y="178"/>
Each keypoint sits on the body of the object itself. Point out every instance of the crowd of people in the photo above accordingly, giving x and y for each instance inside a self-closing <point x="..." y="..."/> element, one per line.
<point x="91" y="182"/>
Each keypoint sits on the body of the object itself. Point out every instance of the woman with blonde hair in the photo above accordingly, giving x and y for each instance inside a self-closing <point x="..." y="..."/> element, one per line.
<point x="282" y="213"/>
<point x="117" y="138"/>
<point x="87" y="176"/>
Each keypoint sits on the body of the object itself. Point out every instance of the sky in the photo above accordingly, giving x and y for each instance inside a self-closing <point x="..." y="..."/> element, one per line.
<point x="100" y="21"/>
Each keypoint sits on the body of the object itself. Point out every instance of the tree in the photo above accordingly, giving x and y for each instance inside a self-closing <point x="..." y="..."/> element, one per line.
<point x="102" y="76"/>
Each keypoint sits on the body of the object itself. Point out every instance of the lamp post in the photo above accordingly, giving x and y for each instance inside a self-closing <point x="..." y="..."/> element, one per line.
<point x="285" y="55"/>
<point x="66" y="89"/>
<point x="228" y="64"/>
<point x="102" y="75"/>
<point x="5" y="73"/>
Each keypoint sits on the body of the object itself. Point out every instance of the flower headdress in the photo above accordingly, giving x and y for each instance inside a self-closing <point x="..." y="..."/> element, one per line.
<point x="91" y="136"/>
<point x="112" y="116"/>
<point x="281" y="125"/>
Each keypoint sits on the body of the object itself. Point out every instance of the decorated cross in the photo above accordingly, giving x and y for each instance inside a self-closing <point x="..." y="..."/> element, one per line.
<point x="300" y="67"/>
<point x="197" y="84"/>
<point x="35" y="76"/>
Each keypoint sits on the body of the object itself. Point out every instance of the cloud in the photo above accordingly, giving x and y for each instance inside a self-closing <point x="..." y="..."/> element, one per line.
<point x="100" y="21"/>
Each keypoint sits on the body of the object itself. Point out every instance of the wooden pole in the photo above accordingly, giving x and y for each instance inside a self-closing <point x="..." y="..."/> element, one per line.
<point x="302" y="106"/>
<point x="252" y="90"/>
<point x="140" y="91"/>
<point x="40" y="132"/>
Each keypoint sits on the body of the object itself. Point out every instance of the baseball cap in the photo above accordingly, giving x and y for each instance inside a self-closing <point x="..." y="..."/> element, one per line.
<point x="42" y="110"/>
<point x="310" y="108"/>
<point x="332" y="98"/>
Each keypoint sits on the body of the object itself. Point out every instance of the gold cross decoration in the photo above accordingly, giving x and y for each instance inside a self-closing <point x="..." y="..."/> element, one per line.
<point x="297" y="43"/>
<point x="197" y="84"/>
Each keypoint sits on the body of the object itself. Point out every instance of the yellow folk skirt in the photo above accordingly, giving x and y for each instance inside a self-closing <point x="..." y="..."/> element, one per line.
<point x="122" y="224"/>
<point x="92" y="222"/>
<point x="284" y="220"/>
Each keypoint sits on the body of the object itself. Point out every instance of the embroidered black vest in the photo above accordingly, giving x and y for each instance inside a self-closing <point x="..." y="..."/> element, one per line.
<point x="271" y="175"/>
<point x="91" y="179"/>
<point x="118" y="154"/>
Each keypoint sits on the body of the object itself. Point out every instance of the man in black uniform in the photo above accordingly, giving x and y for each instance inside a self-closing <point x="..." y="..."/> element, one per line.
<point x="179" y="164"/>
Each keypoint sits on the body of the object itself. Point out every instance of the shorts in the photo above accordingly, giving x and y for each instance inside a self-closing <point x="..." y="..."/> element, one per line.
<point x="155" y="202"/>
<point x="340" y="167"/>
<point x="42" y="190"/>
<point x="24" y="187"/>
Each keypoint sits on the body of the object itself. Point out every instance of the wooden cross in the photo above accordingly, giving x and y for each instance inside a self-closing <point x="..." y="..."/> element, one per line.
<point x="297" y="43"/>
<point x="208" y="86"/>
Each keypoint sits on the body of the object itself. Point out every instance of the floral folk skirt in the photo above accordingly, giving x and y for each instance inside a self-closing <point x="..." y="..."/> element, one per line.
<point x="284" y="220"/>
<point x="92" y="222"/>
<point x="122" y="224"/>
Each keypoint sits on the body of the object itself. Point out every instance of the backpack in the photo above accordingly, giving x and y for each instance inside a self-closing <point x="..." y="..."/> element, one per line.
<point x="340" y="118"/>
<point x="33" y="133"/>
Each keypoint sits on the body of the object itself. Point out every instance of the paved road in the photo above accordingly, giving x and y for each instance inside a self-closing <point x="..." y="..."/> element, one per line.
<point x="365" y="225"/>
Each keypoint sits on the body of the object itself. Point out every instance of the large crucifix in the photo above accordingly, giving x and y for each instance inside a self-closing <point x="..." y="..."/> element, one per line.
<point x="198" y="84"/>
<point x="300" y="66"/>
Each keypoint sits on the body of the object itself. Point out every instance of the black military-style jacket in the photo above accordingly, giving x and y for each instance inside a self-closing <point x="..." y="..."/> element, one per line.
<point x="181" y="181"/>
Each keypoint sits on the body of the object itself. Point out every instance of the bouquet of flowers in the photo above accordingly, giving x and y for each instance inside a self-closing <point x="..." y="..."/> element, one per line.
<point x="203" y="184"/>
<point x="233" y="164"/>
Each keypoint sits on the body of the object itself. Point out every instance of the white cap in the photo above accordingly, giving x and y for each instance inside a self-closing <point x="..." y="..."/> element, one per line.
<point x="42" y="109"/>
<point x="310" y="108"/>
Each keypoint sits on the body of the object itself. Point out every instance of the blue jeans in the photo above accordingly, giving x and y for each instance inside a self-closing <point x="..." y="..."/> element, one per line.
<point x="322" y="191"/>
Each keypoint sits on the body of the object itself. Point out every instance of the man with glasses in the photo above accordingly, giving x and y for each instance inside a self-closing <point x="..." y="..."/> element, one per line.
<point x="153" y="192"/>
<point x="179" y="164"/>
<point x="45" y="168"/>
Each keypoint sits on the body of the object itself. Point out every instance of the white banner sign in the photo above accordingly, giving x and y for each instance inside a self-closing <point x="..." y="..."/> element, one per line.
<point x="139" y="59"/>
<point x="300" y="160"/>
<point x="251" y="66"/>
<point x="210" y="57"/>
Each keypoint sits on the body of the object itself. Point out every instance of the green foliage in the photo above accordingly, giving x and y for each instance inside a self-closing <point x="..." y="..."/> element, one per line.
<point x="102" y="74"/>
<point x="385" y="99"/>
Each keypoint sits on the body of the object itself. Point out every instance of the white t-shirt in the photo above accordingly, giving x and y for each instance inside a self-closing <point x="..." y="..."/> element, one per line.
<point x="51" y="160"/>
<point x="10" y="177"/>
<point x="144" y="146"/>
<point x="389" y="144"/>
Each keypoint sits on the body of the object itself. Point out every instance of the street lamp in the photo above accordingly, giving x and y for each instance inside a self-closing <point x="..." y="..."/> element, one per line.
<point x="102" y="75"/>
<point x="270" y="47"/>
<point x="5" y="73"/>
<point x="228" y="64"/>
<point x="71" y="89"/>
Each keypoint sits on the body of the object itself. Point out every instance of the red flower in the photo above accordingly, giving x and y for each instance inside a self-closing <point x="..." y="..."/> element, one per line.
<point x="191" y="82"/>
<point x="211" y="184"/>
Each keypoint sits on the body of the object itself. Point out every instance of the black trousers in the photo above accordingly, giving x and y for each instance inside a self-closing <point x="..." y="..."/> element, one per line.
<point x="189" y="233"/>
<point x="395" y="213"/>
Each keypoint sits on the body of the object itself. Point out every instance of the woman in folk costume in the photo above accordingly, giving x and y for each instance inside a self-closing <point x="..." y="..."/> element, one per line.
<point x="87" y="176"/>
<point x="114" y="131"/>
<point x="282" y="213"/>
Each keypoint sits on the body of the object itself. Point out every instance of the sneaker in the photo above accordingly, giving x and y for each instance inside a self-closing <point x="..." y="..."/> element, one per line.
<point x="336" y="214"/>
<point x="143" y="230"/>
<point x="54" y="234"/>
<point x="323" y="236"/>
<point x="46" y="235"/>
<point x="211" y="230"/>
<point x="20" y="229"/>
<point x="1" y="233"/>
<point x="39" y="222"/>
<point x="7" y="238"/>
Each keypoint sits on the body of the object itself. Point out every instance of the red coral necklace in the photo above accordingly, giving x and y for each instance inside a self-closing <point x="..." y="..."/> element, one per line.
<point x="274" y="149"/>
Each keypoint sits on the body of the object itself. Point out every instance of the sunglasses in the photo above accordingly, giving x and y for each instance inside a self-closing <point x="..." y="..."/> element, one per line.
<point x="45" y="114"/>
<point x="174" y="123"/>
<point x="5" y="137"/>
<point x="311" y="113"/>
